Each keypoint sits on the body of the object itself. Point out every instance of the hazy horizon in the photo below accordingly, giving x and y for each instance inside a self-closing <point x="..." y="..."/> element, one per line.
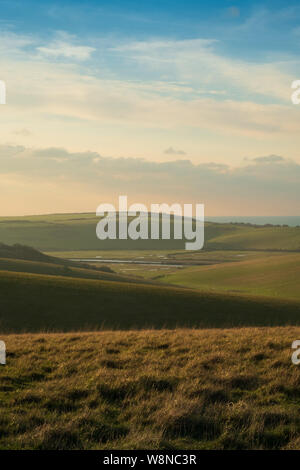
<point x="292" y="221"/>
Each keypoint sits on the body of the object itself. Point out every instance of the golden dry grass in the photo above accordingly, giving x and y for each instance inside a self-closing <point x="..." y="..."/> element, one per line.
<point x="184" y="389"/>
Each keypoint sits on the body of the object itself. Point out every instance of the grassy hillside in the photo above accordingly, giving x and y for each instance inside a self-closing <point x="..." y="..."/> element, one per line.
<point x="31" y="302"/>
<point x="69" y="232"/>
<point x="258" y="238"/>
<point x="20" y="258"/>
<point x="18" y="251"/>
<point x="33" y="267"/>
<point x="76" y="232"/>
<point x="183" y="389"/>
<point x="277" y="276"/>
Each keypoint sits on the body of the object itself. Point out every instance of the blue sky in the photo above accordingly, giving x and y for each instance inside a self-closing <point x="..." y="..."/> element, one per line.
<point x="113" y="83"/>
<point x="257" y="32"/>
<point x="240" y="25"/>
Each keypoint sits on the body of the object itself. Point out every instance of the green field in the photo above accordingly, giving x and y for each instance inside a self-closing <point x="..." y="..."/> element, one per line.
<point x="148" y="255"/>
<point x="266" y="273"/>
<point x="256" y="289"/>
<point x="258" y="238"/>
<point x="70" y="232"/>
<point x="190" y="357"/>
<point x="75" y="232"/>
<point x="31" y="302"/>
<point x="181" y="389"/>
<point x="270" y="275"/>
<point x="34" y="267"/>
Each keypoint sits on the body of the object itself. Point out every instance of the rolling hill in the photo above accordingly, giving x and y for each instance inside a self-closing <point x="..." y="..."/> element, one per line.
<point x="52" y="269"/>
<point x="277" y="276"/>
<point x="31" y="302"/>
<point x="76" y="232"/>
<point x="20" y="258"/>
<point x="257" y="237"/>
<point x="27" y="253"/>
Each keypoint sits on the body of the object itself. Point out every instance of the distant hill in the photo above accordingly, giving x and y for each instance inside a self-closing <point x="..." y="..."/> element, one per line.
<point x="256" y="237"/>
<point x="52" y="269"/>
<point x="288" y="220"/>
<point x="24" y="259"/>
<point x="77" y="232"/>
<point x="271" y="275"/>
<point x="28" y="253"/>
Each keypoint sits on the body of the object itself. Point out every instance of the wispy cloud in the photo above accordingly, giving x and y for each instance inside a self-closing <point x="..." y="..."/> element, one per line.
<point x="268" y="159"/>
<point x="199" y="63"/>
<point x="22" y="132"/>
<point x="172" y="151"/>
<point x="59" y="48"/>
<point x="128" y="97"/>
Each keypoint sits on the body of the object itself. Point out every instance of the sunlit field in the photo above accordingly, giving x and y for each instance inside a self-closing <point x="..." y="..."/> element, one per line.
<point x="183" y="389"/>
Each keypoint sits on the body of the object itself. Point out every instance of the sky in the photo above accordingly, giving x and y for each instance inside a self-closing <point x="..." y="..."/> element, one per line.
<point x="164" y="101"/>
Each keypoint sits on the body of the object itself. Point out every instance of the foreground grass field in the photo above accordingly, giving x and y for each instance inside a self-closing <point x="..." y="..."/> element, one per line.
<point x="31" y="302"/>
<point x="276" y="276"/>
<point x="182" y="389"/>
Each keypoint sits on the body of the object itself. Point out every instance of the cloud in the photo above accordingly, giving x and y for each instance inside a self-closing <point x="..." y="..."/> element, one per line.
<point x="186" y="61"/>
<point x="172" y="151"/>
<point x="265" y="186"/>
<point x="13" y="43"/>
<point x="57" y="49"/>
<point x="164" y="88"/>
<point x="22" y="132"/>
<point x="176" y="85"/>
<point x="268" y="159"/>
